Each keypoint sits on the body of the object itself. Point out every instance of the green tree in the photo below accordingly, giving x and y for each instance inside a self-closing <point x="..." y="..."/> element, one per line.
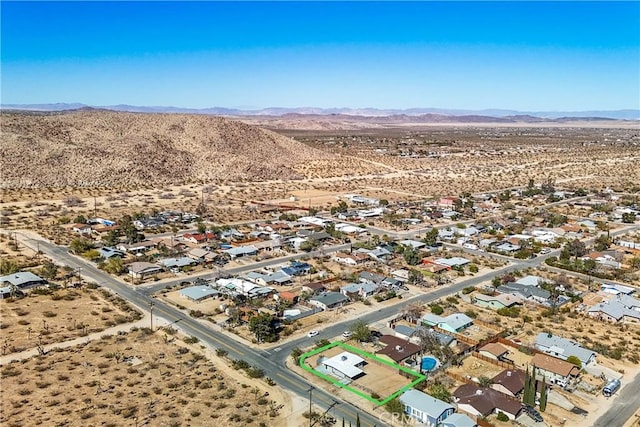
<point x="80" y="245"/>
<point x="415" y="277"/>
<point x="91" y="254"/>
<point x="360" y="331"/>
<point x="263" y="327"/>
<point x="440" y="392"/>
<point x="502" y="417"/>
<point x="8" y="267"/>
<point x="80" y="219"/>
<point x="114" y="265"/>
<point x="629" y="218"/>
<point x="112" y="238"/>
<point x="437" y="309"/>
<point x="49" y="270"/>
<point x="484" y="381"/>
<point x="575" y="360"/>
<point x="602" y="243"/>
<point x="543" y="395"/>
<point x="576" y="248"/>
<point x="412" y="256"/>
<point x="431" y="238"/>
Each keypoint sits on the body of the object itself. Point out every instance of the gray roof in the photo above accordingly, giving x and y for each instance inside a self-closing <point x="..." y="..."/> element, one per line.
<point x="524" y="291"/>
<point x="455" y="321"/>
<point x="416" y="244"/>
<point x="452" y="262"/>
<point x="423" y="402"/>
<point x="177" y="262"/>
<point x="198" y="293"/>
<point x="530" y="281"/>
<point x="562" y="347"/>
<point x="278" y="277"/>
<point x="107" y="252"/>
<point x="407" y="331"/>
<point x="458" y="420"/>
<point x="371" y="277"/>
<point x="330" y="298"/>
<point x="367" y="287"/>
<point x="21" y="279"/>
<point x="616" y="308"/>
<point x="242" y="250"/>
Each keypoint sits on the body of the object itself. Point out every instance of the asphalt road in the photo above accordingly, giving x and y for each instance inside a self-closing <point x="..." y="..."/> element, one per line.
<point x="626" y="402"/>
<point x="207" y="334"/>
<point x="273" y="361"/>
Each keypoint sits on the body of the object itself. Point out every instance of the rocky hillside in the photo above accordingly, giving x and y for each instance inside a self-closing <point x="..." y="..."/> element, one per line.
<point x="112" y="149"/>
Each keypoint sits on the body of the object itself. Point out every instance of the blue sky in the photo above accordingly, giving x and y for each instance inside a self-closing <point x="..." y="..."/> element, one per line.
<point x="468" y="55"/>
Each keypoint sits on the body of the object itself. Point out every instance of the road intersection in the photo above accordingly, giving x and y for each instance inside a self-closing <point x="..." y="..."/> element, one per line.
<point x="273" y="361"/>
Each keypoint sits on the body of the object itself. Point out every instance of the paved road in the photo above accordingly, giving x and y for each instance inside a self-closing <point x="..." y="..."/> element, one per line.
<point x="208" y="335"/>
<point x="626" y="402"/>
<point x="273" y="360"/>
<point x="158" y="286"/>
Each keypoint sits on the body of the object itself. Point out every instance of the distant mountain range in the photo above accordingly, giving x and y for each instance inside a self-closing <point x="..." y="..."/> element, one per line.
<point x="424" y="114"/>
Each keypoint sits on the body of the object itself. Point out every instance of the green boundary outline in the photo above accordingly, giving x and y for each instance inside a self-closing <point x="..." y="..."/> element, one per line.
<point x="337" y="383"/>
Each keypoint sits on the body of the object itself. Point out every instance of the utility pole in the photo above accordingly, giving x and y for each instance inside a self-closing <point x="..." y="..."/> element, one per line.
<point x="151" y="310"/>
<point x="95" y="207"/>
<point x="310" y="417"/>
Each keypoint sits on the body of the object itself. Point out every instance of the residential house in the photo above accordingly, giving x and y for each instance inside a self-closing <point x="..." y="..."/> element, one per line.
<point x="143" y="223"/>
<point x="605" y="259"/>
<point x="140" y="270"/>
<point x="556" y="371"/>
<point x="414" y="244"/>
<point x="362" y="290"/>
<point x="177" y="263"/>
<point x="240" y="251"/>
<point x="313" y="288"/>
<point x="196" y="238"/>
<point x="344" y="365"/>
<point x="199" y="254"/>
<point x="496" y="302"/>
<point x="530" y="281"/>
<point x="19" y="282"/>
<point x="509" y="382"/>
<point x="297" y="268"/>
<point x="424" y="408"/>
<point x="494" y="351"/>
<point x="290" y="297"/>
<point x="84" y="229"/>
<point x="268" y="245"/>
<point x="563" y="348"/>
<point x="138" y="247"/>
<point x="107" y="253"/>
<point x="458" y="420"/>
<point x="507" y="247"/>
<point x="397" y="349"/>
<point x="349" y="259"/>
<point x="524" y="292"/>
<point x="452" y="262"/>
<point x="453" y="323"/>
<point x="329" y="300"/>
<point x="199" y="293"/>
<point x="483" y="402"/>
<point x="615" y="289"/>
<point x="619" y="308"/>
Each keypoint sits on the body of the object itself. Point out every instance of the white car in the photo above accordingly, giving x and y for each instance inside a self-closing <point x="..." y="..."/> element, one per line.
<point x="312" y="334"/>
<point x="347" y="334"/>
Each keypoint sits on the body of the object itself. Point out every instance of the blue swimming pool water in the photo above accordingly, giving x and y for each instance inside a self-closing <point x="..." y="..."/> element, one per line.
<point x="428" y="363"/>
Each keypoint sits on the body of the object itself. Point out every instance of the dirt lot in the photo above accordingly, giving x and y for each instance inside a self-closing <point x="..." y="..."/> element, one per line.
<point x="378" y="379"/>
<point x="135" y="379"/>
<point x="55" y="316"/>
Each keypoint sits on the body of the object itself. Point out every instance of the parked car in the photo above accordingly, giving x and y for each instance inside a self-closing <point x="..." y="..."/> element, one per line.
<point x="533" y="413"/>
<point x="347" y="334"/>
<point x="312" y="334"/>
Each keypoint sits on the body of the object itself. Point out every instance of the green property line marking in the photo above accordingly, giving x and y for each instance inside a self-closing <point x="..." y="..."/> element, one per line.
<point x="366" y="355"/>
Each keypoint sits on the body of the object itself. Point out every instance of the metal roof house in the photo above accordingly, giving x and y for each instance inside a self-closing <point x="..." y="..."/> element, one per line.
<point x="19" y="281"/>
<point x="344" y="365"/>
<point x="453" y="323"/>
<point x="329" y="300"/>
<point x="425" y="408"/>
<point x="563" y="348"/>
<point x="199" y="293"/>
